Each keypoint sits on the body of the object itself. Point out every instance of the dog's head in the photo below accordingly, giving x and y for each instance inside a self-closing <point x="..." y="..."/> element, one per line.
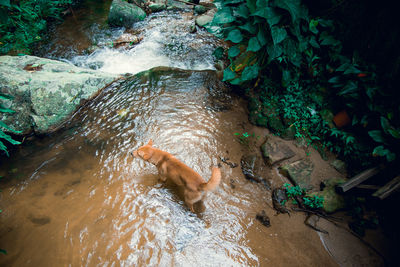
<point x="144" y="152"/>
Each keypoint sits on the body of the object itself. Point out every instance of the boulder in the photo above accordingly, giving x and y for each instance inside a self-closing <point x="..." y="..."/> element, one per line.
<point x="157" y="7"/>
<point x="125" y="14"/>
<point x="45" y="91"/>
<point x="275" y="152"/>
<point x="206" y="18"/>
<point x="299" y="172"/>
<point x="332" y="201"/>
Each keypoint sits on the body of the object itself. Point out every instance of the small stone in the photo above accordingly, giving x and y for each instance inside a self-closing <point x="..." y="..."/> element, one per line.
<point x="204" y="20"/>
<point x="299" y="172"/>
<point x="275" y="152"/>
<point x="199" y="9"/>
<point x="263" y="218"/>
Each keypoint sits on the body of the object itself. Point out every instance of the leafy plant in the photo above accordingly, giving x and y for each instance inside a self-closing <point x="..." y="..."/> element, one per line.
<point x="23" y="22"/>
<point x="291" y="63"/>
<point x="293" y="191"/>
<point x="244" y="138"/>
<point x="296" y="193"/>
<point x="3" y="135"/>
<point x="314" y="202"/>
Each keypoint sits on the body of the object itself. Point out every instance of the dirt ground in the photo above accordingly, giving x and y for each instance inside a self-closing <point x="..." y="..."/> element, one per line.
<point x="345" y="248"/>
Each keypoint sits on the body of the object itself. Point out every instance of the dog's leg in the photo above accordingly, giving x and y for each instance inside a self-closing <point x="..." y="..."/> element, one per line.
<point x="191" y="197"/>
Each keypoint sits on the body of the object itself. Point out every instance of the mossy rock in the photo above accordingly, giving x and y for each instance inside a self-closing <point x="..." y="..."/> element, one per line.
<point x="332" y="201"/>
<point x="299" y="172"/>
<point x="289" y="133"/>
<point x="125" y="14"/>
<point x="275" y="124"/>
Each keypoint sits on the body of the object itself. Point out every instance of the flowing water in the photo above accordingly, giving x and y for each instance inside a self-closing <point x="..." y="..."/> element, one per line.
<point x="77" y="198"/>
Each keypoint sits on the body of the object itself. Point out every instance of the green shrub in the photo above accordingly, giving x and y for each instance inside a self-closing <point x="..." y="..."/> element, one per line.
<point x="23" y="22"/>
<point x="277" y="42"/>
<point x="3" y="135"/>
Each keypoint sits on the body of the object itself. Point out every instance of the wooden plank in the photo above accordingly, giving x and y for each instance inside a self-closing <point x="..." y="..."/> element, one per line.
<point x="358" y="179"/>
<point x="368" y="186"/>
<point x="388" y="188"/>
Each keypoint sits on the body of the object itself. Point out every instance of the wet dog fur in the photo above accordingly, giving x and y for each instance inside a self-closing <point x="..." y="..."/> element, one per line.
<point x="170" y="167"/>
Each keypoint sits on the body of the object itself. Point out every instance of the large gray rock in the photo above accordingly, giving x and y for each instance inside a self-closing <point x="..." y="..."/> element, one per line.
<point x="299" y="172"/>
<point x="125" y="14"/>
<point x="206" y="18"/>
<point x="45" y="91"/>
<point x="275" y="152"/>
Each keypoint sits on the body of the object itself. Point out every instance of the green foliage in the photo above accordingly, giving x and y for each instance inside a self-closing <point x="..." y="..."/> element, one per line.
<point x="296" y="192"/>
<point x="23" y="22"/>
<point x="276" y="41"/>
<point x="244" y="138"/>
<point x="293" y="191"/>
<point x="314" y="202"/>
<point x="4" y="136"/>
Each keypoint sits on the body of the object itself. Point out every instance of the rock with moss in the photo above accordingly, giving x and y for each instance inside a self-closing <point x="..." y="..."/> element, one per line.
<point x="45" y="91"/>
<point x="275" y="152"/>
<point x="332" y="201"/>
<point x="157" y="7"/>
<point x="125" y="14"/>
<point x="299" y="172"/>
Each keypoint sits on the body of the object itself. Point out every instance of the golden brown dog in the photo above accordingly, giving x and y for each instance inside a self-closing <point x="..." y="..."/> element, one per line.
<point x="170" y="167"/>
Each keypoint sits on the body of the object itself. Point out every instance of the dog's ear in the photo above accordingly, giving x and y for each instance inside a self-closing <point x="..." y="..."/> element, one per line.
<point x="150" y="143"/>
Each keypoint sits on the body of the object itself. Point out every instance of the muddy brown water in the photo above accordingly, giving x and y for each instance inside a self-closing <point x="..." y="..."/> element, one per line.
<point x="79" y="198"/>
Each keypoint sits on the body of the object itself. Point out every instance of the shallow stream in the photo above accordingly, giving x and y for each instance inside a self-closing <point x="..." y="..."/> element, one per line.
<point x="77" y="198"/>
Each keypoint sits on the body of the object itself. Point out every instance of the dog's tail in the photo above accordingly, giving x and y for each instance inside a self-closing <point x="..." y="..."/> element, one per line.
<point x="213" y="182"/>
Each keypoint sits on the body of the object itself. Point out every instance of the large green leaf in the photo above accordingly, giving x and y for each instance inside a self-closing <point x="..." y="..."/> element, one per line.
<point x="250" y="72"/>
<point x="251" y="4"/>
<point x="253" y="45"/>
<point x="278" y="34"/>
<point x="382" y="151"/>
<point x="248" y="26"/>
<point x="394" y="132"/>
<point x="385" y="124"/>
<point x="235" y="36"/>
<point x="6" y="96"/>
<point x="271" y="14"/>
<point x="233" y="51"/>
<point x="293" y="6"/>
<point x="241" y="11"/>
<point x="5" y="3"/>
<point x="8" y="138"/>
<point x="223" y="16"/>
<point x="228" y="75"/>
<point x="5" y="126"/>
<point x="377" y="136"/>
<point x="4" y="148"/>
<point x="274" y="51"/>
<point x="262" y="36"/>
<point x="350" y="88"/>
